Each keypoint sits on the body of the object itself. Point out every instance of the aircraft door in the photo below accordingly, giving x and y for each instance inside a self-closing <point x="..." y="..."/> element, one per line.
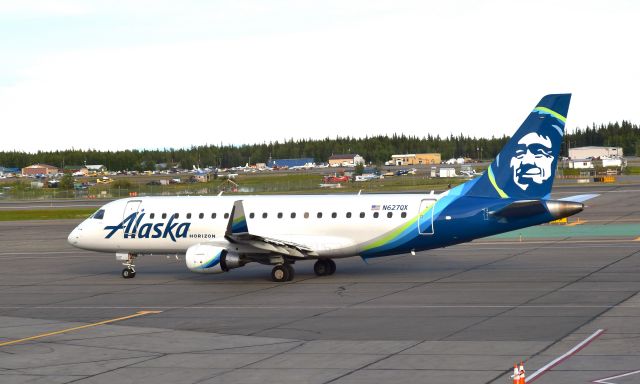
<point x="425" y="221"/>
<point x="131" y="207"/>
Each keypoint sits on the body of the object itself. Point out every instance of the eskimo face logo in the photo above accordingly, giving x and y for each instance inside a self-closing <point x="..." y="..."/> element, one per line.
<point x="532" y="161"/>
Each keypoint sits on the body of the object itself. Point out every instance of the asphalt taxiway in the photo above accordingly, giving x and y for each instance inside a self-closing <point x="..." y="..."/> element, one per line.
<point x="460" y="314"/>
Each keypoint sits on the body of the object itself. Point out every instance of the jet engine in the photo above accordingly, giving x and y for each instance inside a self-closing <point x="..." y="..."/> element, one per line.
<point x="205" y="258"/>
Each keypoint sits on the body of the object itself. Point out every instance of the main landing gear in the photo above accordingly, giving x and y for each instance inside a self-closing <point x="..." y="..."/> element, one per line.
<point x="324" y="267"/>
<point x="282" y="272"/>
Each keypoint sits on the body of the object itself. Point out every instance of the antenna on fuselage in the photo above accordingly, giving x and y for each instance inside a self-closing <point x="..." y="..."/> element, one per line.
<point x="220" y="194"/>
<point x="359" y="192"/>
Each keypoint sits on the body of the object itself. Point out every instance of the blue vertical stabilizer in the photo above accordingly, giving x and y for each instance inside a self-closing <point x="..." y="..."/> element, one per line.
<point x="525" y="167"/>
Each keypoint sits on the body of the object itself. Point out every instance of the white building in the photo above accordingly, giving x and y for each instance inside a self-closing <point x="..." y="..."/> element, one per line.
<point x="592" y="151"/>
<point x="447" y="172"/>
<point x="581" y="164"/>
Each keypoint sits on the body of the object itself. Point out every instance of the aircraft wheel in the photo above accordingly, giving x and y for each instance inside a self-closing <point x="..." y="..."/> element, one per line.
<point x="128" y="273"/>
<point x="292" y="271"/>
<point x="322" y="267"/>
<point x="332" y="266"/>
<point x="280" y="273"/>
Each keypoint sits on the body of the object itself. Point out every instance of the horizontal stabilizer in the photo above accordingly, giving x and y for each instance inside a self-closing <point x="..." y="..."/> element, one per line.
<point x="580" y="198"/>
<point x="521" y="208"/>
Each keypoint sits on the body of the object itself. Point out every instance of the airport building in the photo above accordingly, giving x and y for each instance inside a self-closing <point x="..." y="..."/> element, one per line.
<point x="288" y="163"/>
<point x="76" y="169"/>
<point x="581" y="164"/>
<point x="345" y="160"/>
<point x="415" y="159"/>
<point x="9" y="171"/>
<point x="592" y="151"/>
<point x="96" y="168"/>
<point x="39" y="169"/>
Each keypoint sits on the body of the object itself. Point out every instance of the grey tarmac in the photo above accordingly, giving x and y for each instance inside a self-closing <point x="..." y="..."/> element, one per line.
<point x="463" y="314"/>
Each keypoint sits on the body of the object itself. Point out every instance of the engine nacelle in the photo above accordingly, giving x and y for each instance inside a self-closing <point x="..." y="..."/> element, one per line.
<point x="205" y="258"/>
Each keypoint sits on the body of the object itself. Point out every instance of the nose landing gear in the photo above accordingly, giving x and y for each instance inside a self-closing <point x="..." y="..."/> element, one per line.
<point x="129" y="272"/>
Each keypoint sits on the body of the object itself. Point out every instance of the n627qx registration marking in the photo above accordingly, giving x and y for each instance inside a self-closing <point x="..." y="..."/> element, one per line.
<point x="220" y="233"/>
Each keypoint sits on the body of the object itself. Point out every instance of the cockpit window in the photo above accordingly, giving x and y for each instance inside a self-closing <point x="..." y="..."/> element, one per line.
<point x="99" y="214"/>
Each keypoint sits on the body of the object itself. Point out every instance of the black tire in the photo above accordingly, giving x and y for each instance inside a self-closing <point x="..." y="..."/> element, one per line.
<point x="132" y="275"/>
<point x="292" y="272"/>
<point x="280" y="273"/>
<point x="127" y="273"/>
<point x="321" y="267"/>
<point x="332" y="266"/>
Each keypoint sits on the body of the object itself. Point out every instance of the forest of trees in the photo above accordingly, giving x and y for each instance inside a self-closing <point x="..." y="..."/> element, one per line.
<point x="376" y="149"/>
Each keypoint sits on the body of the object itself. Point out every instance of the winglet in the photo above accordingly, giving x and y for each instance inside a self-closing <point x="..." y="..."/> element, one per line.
<point x="237" y="221"/>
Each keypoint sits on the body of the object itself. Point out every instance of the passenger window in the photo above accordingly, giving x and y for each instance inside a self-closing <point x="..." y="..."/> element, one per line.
<point x="279" y="215"/>
<point x="348" y="215"/>
<point x="362" y="215"/>
<point x="213" y="215"/>
<point x="389" y="214"/>
<point x="264" y="215"/>
<point x="176" y="215"/>
<point x="293" y="215"/>
<point x="403" y="214"/>
<point x="188" y="215"/>
<point x="319" y="215"/>
<point x="375" y="215"/>
<point x="226" y="215"/>
<point x="252" y="215"/>
<point x="334" y="215"/>
<point x="153" y="215"/>
<point x="201" y="216"/>
<point x="99" y="214"/>
<point x="164" y="215"/>
<point x="306" y="215"/>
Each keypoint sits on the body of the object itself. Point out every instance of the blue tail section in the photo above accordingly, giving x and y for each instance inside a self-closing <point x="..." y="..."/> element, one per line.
<point x="527" y="164"/>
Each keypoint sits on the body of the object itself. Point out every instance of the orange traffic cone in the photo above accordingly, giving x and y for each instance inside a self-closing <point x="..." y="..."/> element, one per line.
<point x="516" y="374"/>
<point x="523" y="380"/>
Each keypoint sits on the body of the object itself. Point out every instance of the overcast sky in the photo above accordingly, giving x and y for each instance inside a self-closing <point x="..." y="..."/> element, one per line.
<point x="154" y="74"/>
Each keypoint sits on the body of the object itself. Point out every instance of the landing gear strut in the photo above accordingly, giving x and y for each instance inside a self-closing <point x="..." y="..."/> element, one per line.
<point x="324" y="267"/>
<point x="129" y="272"/>
<point x="282" y="272"/>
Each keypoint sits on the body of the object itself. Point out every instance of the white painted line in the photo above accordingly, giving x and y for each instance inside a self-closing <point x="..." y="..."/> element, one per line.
<point x="606" y="379"/>
<point x="346" y="306"/>
<point x="559" y="360"/>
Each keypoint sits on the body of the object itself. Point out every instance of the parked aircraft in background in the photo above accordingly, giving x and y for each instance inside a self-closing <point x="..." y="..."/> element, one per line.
<point x="220" y="233"/>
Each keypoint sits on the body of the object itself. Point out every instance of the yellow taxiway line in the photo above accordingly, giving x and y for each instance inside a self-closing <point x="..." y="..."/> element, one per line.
<point x="137" y="314"/>
<point x="579" y="222"/>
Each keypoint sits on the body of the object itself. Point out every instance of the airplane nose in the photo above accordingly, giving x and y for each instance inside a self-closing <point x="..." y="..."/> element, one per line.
<point x="74" y="237"/>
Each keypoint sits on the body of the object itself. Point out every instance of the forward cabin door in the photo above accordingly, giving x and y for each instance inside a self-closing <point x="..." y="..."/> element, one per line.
<point x="425" y="221"/>
<point x="131" y="207"/>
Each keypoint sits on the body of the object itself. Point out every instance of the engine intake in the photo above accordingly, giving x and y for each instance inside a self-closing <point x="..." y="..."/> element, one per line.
<point x="204" y="258"/>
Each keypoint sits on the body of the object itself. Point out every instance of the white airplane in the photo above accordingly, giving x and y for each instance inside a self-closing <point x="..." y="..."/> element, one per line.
<point x="220" y="233"/>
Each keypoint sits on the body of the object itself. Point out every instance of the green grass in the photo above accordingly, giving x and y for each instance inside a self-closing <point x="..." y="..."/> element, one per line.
<point x="46" y="214"/>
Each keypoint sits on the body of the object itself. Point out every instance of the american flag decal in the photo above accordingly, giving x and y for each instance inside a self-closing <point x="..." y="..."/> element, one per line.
<point x="375" y="207"/>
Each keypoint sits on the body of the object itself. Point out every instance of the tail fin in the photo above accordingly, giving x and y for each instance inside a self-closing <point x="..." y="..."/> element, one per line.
<point x="527" y="164"/>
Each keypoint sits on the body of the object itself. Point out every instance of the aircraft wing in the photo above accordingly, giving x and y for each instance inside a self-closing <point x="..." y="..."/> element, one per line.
<point x="286" y="248"/>
<point x="295" y="246"/>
